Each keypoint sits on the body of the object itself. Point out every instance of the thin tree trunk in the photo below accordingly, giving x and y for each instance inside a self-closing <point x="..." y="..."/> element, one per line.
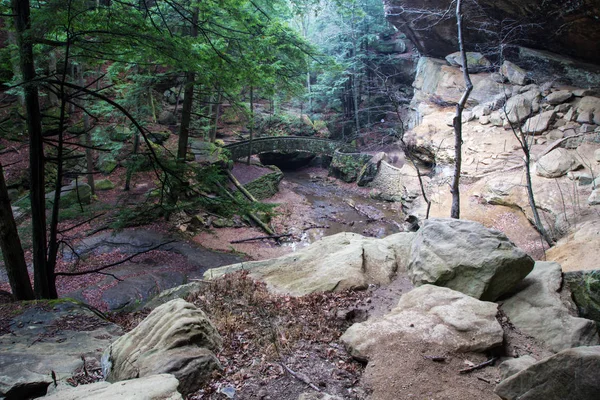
<point x="213" y="134"/>
<point x="36" y="149"/>
<point x="12" y="251"/>
<point x="251" y="124"/>
<point x="89" y="153"/>
<point x="457" y="122"/>
<point x="188" y="100"/>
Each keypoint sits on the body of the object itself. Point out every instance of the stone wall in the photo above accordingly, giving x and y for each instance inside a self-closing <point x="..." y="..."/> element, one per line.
<point x="389" y="181"/>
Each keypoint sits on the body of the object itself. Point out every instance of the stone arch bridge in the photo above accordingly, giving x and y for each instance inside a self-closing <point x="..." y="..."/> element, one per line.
<point x="284" y="144"/>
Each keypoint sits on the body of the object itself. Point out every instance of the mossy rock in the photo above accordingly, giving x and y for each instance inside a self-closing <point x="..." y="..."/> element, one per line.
<point x="267" y="185"/>
<point x="347" y="166"/>
<point x="159" y="137"/>
<point x="120" y="134"/>
<point x="585" y="287"/>
<point x="72" y="194"/>
<point x="107" y="164"/>
<point x="104" y="184"/>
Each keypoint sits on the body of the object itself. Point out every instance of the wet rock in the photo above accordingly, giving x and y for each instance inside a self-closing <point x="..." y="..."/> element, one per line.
<point x="569" y="375"/>
<point x="539" y="123"/>
<point x="537" y="310"/>
<point x="475" y="61"/>
<point x="556" y="164"/>
<point x="334" y="263"/>
<point x="176" y="338"/>
<point x="467" y="257"/>
<point x="515" y="74"/>
<point x="159" y="137"/>
<point x="430" y="314"/>
<point x="559" y="97"/>
<point x="153" y="387"/>
<point x="35" y="348"/>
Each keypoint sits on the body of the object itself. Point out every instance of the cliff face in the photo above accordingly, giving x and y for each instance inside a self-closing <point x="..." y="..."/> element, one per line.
<point x="570" y="27"/>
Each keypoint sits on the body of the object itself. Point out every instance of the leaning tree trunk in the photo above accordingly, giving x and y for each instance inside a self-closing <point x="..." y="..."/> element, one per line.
<point x="457" y="122"/>
<point x="12" y="251"/>
<point x="42" y="278"/>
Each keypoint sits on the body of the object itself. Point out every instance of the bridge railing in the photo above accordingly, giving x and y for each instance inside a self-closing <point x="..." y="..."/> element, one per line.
<point x="283" y="144"/>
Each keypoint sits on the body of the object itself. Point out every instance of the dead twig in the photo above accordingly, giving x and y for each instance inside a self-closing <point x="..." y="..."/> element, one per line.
<point x="435" y="358"/>
<point x="261" y="237"/>
<point x="478" y="366"/>
<point x="300" y="377"/>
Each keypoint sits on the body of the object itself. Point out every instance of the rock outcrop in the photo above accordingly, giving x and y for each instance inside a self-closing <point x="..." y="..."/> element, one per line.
<point x="585" y="287"/>
<point x="176" y="338"/>
<point x="468" y="257"/>
<point x="569" y="375"/>
<point x="537" y="310"/>
<point x="430" y="314"/>
<point x="334" y="263"/>
<point x="152" y="387"/>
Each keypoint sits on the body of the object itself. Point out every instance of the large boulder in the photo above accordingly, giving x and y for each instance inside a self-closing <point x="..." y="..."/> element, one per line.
<point x="518" y="108"/>
<point x="585" y="288"/>
<point x="151" y="387"/>
<point x="559" y="97"/>
<point x="556" y="163"/>
<point x="590" y="105"/>
<point x="468" y="257"/>
<point x="513" y="73"/>
<point x="430" y="314"/>
<point x="569" y="375"/>
<point x="537" y="310"/>
<point x="75" y="193"/>
<point x="334" y="263"/>
<point x="176" y="338"/>
<point x="515" y="365"/>
<point x="539" y="123"/>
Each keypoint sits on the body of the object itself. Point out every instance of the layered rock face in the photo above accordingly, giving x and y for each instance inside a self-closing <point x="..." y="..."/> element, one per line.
<point x="567" y="28"/>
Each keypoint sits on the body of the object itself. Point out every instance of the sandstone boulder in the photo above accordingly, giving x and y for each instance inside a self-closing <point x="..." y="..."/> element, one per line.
<point x="556" y="164"/>
<point x="152" y="387"/>
<point x="518" y="108"/>
<point x="590" y="105"/>
<point x="430" y="314"/>
<point x="539" y="123"/>
<point x="515" y="74"/>
<point x="569" y="375"/>
<point x="176" y="338"/>
<point x="559" y="97"/>
<point x="468" y="257"/>
<point x="334" y="263"/>
<point x="537" y="310"/>
<point x="514" y="365"/>
<point x="594" y="198"/>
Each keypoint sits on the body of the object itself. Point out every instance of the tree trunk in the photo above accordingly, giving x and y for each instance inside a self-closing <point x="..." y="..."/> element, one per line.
<point x="188" y="100"/>
<point x="12" y="251"/>
<point x="251" y="124"/>
<point x="213" y="133"/>
<point x="457" y="122"/>
<point x="36" y="149"/>
<point x="89" y="152"/>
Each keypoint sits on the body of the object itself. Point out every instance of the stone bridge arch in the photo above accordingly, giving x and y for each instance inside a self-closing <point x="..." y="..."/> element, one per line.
<point x="284" y="144"/>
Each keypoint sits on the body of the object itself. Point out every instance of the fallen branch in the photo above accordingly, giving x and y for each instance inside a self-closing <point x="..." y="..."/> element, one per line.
<point x="300" y="378"/>
<point x="97" y="270"/>
<point x="240" y="187"/>
<point x="478" y="366"/>
<point x="261" y="237"/>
